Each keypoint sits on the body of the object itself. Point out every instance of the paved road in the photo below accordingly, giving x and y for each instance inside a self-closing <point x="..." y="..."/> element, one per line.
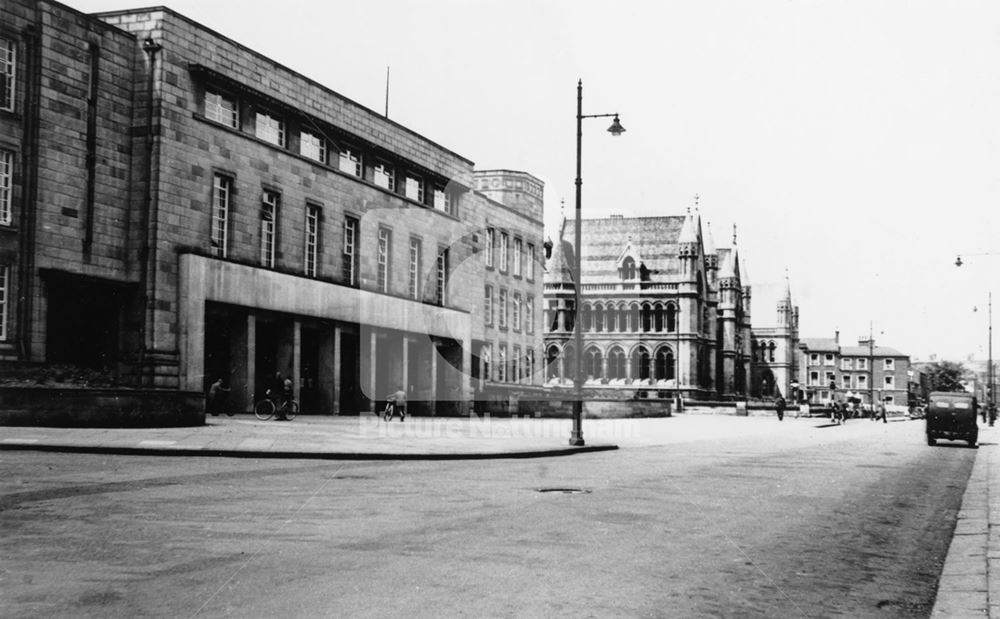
<point x="765" y="519"/>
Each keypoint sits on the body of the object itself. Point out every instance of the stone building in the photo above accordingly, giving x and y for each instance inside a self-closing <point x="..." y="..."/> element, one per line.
<point x="866" y="372"/>
<point x="775" y="354"/>
<point x="175" y="206"/>
<point x="663" y="311"/>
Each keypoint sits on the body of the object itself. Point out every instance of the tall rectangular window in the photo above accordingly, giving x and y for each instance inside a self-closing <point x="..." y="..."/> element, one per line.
<point x="221" y="108"/>
<point x="6" y="186"/>
<point x="8" y="74"/>
<point x="349" y="162"/>
<point x="529" y="359"/>
<point x="384" y="242"/>
<point x="490" y="242"/>
<point x="312" y="240"/>
<point x="384" y="176"/>
<point x="502" y="310"/>
<point x="518" y="250"/>
<point x="414" y="188"/>
<point x="4" y="303"/>
<point x="268" y="227"/>
<point x="270" y="129"/>
<point x="488" y="306"/>
<point x="222" y="191"/>
<point x="416" y="249"/>
<point x="312" y="146"/>
<point x="504" y="252"/>
<point x="443" y="200"/>
<point x="889" y="364"/>
<point x="529" y="315"/>
<point x="350" y="272"/>
<point x="516" y="312"/>
<point x="502" y="364"/>
<point x="442" y="276"/>
<point x="515" y="364"/>
<point x="530" y="260"/>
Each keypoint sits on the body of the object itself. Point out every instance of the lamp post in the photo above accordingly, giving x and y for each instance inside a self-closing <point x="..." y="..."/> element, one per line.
<point x="989" y="350"/>
<point x="576" y="434"/>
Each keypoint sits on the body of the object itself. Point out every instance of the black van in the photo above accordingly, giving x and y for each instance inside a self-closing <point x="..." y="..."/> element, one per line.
<point x="952" y="415"/>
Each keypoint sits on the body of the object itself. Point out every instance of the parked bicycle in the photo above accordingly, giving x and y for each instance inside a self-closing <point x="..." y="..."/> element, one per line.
<point x="266" y="408"/>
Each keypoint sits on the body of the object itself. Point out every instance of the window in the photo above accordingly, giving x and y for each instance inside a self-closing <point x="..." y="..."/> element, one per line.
<point x="846" y="363"/>
<point x="813" y="378"/>
<point x="515" y="364"/>
<point x="350" y="273"/>
<point x="384" y="241"/>
<point x="628" y="268"/>
<point x="502" y="364"/>
<point x="862" y="382"/>
<point x="503" y="308"/>
<point x="6" y="184"/>
<point x="529" y="370"/>
<point x="4" y="296"/>
<point x="442" y="276"/>
<point x="889" y="364"/>
<point x="516" y="312"/>
<point x="488" y="306"/>
<point x="862" y="364"/>
<point x="490" y="241"/>
<point x="828" y="359"/>
<point x="384" y="176"/>
<point x="890" y="382"/>
<point x="530" y="262"/>
<point x="504" y="247"/>
<point x="814" y="359"/>
<point x="443" y="200"/>
<point x="518" y="250"/>
<point x="487" y="354"/>
<point x="413" y="188"/>
<point x="8" y="68"/>
<point x="221" y="198"/>
<point x="270" y="129"/>
<point x="312" y="239"/>
<point x="312" y="146"/>
<point x="350" y="162"/>
<point x="221" y="109"/>
<point x="268" y="227"/>
<point x="847" y="381"/>
<point x="529" y="315"/>
<point x="830" y="378"/>
<point x="416" y="249"/>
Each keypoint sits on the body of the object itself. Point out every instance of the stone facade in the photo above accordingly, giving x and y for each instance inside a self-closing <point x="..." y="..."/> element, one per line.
<point x="663" y="311"/>
<point x="775" y="353"/>
<point x="186" y="208"/>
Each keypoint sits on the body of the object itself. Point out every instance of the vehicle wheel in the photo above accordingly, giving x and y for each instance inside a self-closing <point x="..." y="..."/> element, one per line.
<point x="291" y="409"/>
<point x="264" y="410"/>
<point x="931" y="441"/>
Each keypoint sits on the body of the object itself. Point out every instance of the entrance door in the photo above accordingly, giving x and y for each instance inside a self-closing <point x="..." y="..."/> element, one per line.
<point x="352" y="400"/>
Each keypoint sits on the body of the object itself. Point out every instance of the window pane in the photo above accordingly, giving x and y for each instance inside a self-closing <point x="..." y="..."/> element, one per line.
<point x="312" y="146"/>
<point x="270" y="129"/>
<point x="8" y="66"/>
<point x="312" y="240"/>
<point x="221" y="109"/>
<point x="6" y="182"/>
<point x="350" y="162"/>
<point x="220" y="215"/>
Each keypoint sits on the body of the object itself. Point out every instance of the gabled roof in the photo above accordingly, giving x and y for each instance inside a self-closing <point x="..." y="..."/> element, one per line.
<point x="655" y="239"/>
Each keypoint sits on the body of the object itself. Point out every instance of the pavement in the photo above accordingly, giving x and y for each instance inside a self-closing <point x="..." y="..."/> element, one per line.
<point x="969" y="586"/>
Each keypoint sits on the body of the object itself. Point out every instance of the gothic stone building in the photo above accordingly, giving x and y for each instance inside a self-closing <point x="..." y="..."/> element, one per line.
<point x="175" y="206"/>
<point x="774" y="352"/>
<point x="663" y="311"/>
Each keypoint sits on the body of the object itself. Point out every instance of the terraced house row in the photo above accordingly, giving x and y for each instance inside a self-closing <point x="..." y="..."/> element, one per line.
<point x="175" y="207"/>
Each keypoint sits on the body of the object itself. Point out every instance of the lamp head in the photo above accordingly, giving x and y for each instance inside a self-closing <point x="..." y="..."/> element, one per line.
<point x="616" y="127"/>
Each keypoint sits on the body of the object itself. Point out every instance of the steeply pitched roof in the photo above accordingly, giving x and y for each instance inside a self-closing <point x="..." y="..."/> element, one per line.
<point x="654" y="238"/>
<point x="819" y="344"/>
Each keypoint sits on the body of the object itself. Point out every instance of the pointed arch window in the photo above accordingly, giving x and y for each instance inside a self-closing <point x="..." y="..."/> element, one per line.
<point x="663" y="366"/>
<point x="616" y="363"/>
<point x="592" y="361"/>
<point x="640" y="363"/>
<point x="671" y="318"/>
<point x="599" y="318"/>
<point x="628" y="268"/>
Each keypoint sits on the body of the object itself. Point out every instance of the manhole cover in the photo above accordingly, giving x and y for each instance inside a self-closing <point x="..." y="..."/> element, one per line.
<point x="565" y="490"/>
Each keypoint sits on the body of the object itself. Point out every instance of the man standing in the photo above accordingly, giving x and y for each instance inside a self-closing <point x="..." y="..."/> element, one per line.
<point x="881" y="413"/>
<point x="779" y="405"/>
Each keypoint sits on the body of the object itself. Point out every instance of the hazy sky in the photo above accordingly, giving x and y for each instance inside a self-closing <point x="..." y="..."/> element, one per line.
<point x="853" y="143"/>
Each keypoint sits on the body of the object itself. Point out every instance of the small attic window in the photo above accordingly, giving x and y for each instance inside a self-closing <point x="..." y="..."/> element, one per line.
<point x="628" y="268"/>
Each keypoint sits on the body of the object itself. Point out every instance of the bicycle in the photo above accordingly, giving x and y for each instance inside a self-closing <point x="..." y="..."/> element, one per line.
<point x="265" y="409"/>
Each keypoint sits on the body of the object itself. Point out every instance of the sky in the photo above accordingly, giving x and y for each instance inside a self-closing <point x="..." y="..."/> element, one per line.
<point x="854" y="144"/>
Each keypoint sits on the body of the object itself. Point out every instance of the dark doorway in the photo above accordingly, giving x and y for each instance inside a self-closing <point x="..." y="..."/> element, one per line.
<point x="265" y="357"/>
<point x="309" y="371"/>
<point x="352" y="400"/>
<point x="218" y="361"/>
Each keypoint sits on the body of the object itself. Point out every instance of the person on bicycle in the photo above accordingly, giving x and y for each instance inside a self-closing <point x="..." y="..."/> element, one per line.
<point x="280" y="393"/>
<point x="397" y="401"/>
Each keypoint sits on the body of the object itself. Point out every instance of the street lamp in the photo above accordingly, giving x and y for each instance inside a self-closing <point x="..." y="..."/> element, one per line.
<point x="989" y="351"/>
<point x="616" y="129"/>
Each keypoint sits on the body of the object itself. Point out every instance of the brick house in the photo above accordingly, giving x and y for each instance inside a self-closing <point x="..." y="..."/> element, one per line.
<point x="867" y="371"/>
<point x="176" y="207"/>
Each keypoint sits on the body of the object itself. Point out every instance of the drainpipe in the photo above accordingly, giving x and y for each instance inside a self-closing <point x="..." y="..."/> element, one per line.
<point x="147" y="300"/>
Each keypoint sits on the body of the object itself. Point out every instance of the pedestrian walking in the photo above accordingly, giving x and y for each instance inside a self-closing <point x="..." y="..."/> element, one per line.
<point x="217" y="397"/>
<point x="779" y="406"/>
<point x="398" y="404"/>
<point x="881" y="413"/>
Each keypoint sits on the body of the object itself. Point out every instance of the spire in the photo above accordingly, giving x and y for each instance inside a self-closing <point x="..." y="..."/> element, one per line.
<point x="688" y="233"/>
<point x="709" y="242"/>
<point x="788" y="289"/>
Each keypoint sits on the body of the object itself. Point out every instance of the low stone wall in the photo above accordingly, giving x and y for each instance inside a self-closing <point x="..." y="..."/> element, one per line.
<point x="108" y="408"/>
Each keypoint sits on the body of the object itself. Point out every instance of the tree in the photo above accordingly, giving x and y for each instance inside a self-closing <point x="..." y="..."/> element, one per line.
<point x="947" y="376"/>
